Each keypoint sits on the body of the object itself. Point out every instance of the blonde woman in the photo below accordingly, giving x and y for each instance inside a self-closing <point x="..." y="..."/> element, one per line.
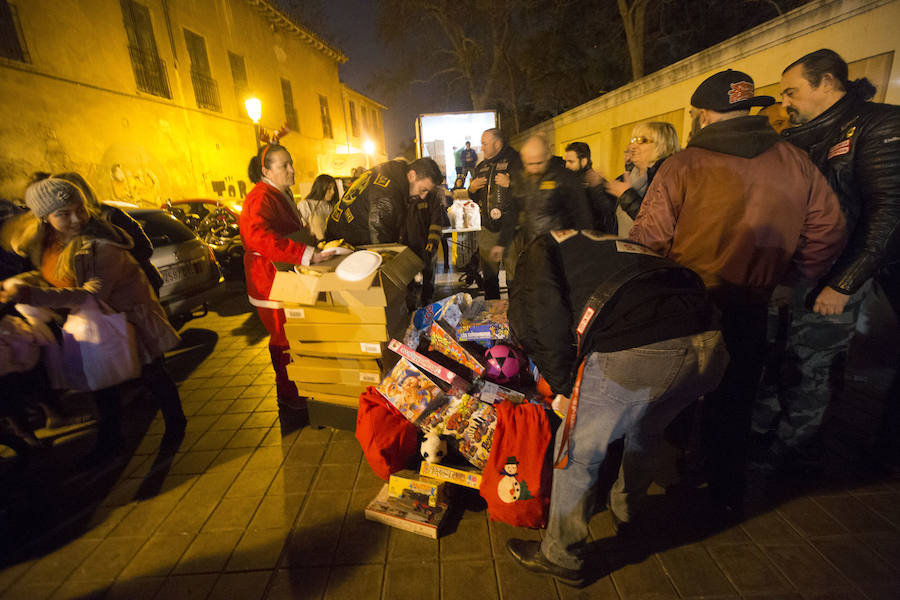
<point x="651" y="143"/>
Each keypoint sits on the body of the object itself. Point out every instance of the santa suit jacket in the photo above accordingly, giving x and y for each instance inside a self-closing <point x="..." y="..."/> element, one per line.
<point x="267" y="219"/>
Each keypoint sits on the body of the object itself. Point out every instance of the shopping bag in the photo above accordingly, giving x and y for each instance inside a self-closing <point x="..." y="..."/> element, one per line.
<point x="98" y="350"/>
<point x="516" y="479"/>
<point x="388" y="440"/>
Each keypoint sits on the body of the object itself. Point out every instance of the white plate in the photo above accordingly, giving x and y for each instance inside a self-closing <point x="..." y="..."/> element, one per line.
<point x="359" y="265"/>
<point x="336" y="251"/>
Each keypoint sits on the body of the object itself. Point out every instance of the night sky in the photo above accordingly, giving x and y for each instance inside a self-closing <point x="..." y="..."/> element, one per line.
<point x="353" y="25"/>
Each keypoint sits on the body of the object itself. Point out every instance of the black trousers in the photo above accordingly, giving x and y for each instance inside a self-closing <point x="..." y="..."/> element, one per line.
<point x="164" y="390"/>
<point x="728" y="410"/>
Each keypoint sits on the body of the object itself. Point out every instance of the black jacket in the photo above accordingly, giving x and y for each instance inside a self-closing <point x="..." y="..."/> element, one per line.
<point x="556" y="200"/>
<point x="856" y="145"/>
<point x="374" y="209"/>
<point x="492" y="198"/>
<point x="558" y="273"/>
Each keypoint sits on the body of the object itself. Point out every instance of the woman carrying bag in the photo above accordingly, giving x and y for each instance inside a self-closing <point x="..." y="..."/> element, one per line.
<point x="79" y="258"/>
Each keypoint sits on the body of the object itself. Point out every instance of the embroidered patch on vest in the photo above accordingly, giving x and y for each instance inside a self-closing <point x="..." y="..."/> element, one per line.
<point x="634" y="248"/>
<point x="548" y="185"/>
<point x="561" y="235"/>
<point x="597" y="236"/>
<point x="839" y="149"/>
<point x="502" y="166"/>
<point x="585" y="320"/>
<point x="382" y="181"/>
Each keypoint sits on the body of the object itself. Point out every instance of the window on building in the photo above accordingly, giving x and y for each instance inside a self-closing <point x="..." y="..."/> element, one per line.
<point x="354" y="124"/>
<point x="206" y="90"/>
<point x="365" y="119"/>
<point x="326" y="117"/>
<point x="12" y="43"/>
<point x="149" y="70"/>
<point x="239" y="76"/>
<point x="290" y="113"/>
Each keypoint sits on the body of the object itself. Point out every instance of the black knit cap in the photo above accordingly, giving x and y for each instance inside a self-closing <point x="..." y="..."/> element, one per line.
<point x="728" y="90"/>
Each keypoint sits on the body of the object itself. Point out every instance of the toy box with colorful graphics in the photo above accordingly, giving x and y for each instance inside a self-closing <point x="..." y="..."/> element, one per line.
<point x="410" y="391"/>
<point x="407" y="514"/>
<point x="488" y="325"/>
<point x="465" y="475"/>
<point x="468" y="420"/>
<point x="414" y="486"/>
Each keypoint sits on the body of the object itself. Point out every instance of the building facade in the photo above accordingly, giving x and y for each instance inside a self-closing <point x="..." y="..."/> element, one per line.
<point x="863" y="32"/>
<point x="145" y="98"/>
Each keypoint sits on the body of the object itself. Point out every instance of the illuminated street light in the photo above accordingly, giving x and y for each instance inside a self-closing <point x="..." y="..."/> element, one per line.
<point x="254" y="111"/>
<point x="369" y="147"/>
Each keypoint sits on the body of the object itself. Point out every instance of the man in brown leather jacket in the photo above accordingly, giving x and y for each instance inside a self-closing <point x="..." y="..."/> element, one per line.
<point x="742" y="208"/>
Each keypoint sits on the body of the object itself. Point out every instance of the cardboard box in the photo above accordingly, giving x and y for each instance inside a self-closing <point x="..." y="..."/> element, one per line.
<point x="342" y="349"/>
<point x="331" y="389"/>
<point x="323" y="313"/>
<point x="344" y="371"/>
<point x="335" y="332"/>
<point x="467" y="476"/>
<point x="399" y="265"/>
<point x="324" y="413"/>
<point x="414" y="517"/>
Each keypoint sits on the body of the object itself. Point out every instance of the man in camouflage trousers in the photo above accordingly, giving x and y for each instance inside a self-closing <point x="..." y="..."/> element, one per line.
<point x="856" y="145"/>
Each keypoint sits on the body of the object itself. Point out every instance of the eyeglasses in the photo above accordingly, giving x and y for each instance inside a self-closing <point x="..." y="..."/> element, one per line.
<point x="641" y="140"/>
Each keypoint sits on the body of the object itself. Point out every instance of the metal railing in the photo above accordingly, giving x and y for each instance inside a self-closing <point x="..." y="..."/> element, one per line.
<point x="206" y="91"/>
<point x="149" y="72"/>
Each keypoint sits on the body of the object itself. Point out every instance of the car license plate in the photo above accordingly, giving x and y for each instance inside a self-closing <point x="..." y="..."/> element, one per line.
<point x="179" y="272"/>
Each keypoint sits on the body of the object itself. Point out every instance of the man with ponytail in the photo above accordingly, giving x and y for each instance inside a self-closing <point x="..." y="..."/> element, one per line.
<point x="856" y="144"/>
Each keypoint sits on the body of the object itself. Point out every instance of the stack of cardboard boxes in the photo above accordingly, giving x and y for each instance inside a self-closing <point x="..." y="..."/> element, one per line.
<point x="338" y="330"/>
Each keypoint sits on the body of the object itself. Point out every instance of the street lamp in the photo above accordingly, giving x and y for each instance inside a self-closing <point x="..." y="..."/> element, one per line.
<point x="254" y="111"/>
<point x="369" y="149"/>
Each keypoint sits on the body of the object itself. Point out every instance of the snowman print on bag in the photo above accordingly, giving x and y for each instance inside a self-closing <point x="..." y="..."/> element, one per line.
<point x="510" y="489"/>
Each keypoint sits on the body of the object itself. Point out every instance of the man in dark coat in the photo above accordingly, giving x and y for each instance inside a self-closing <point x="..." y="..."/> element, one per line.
<point x="648" y="340"/>
<point x="490" y="189"/>
<point x="374" y="209"/>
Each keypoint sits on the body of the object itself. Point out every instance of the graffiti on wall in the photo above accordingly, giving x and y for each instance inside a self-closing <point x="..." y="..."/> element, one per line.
<point x="139" y="186"/>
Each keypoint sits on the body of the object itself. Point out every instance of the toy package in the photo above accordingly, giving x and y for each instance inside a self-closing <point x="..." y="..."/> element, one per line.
<point x="488" y="324"/>
<point x="470" y="421"/>
<point x="446" y="344"/>
<point x="410" y="391"/>
<point x="428" y="365"/>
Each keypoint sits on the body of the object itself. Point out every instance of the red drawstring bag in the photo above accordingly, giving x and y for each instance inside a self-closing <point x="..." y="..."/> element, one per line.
<point x="516" y="479"/>
<point x="388" y="440"/>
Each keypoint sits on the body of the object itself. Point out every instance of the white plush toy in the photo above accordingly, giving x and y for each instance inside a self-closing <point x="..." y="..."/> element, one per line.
<point x="433" y="448"/>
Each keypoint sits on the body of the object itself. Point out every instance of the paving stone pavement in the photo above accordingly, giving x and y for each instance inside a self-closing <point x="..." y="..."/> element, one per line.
<point x="255" y="504"/>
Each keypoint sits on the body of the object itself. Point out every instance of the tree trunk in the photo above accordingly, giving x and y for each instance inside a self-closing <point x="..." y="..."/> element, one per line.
<point x="633" y="20"/>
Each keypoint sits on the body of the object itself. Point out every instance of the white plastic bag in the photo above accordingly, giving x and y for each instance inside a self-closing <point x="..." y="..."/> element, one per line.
<point x="471" y="215"/>
<point x="98" y="350"/>
<point x="456" y="213"/>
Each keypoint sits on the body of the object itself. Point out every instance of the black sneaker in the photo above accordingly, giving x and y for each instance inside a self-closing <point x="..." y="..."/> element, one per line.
<point x="528" y="554"/>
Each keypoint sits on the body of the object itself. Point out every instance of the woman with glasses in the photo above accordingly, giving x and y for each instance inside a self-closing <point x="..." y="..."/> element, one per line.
<point x="651" y="143"/>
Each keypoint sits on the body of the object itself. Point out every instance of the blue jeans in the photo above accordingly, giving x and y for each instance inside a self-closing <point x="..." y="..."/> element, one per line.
<point x="633" y="393"/>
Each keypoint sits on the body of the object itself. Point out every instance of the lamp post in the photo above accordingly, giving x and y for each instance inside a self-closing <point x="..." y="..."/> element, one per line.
<point x="254" y="111"/>
<point x="369" y="149"/>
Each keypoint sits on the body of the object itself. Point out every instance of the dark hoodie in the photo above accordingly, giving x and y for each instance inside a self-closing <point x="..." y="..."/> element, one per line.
<point x="740" y="207"/>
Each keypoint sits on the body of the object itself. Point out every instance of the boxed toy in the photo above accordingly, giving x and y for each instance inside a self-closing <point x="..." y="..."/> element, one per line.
<point x="467" y="476"/>
<point x="443" y="341"/>
<point x="406" y="514"/>
<point x="414" y="486"/>
<point x="410" y="391"/>
<point x="491" y="323"/>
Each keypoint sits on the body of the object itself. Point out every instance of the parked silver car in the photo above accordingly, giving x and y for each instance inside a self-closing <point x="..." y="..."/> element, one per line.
<point x="191" y="276"/>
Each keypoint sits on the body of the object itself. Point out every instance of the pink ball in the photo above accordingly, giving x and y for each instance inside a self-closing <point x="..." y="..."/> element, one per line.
<point x="501" y="363"/>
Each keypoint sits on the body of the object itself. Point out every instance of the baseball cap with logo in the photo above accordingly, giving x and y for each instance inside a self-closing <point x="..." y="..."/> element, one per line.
<point x="726" y="91"/>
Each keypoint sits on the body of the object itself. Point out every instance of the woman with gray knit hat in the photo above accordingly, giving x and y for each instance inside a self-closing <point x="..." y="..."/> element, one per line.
<point x="76" y="255"/>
